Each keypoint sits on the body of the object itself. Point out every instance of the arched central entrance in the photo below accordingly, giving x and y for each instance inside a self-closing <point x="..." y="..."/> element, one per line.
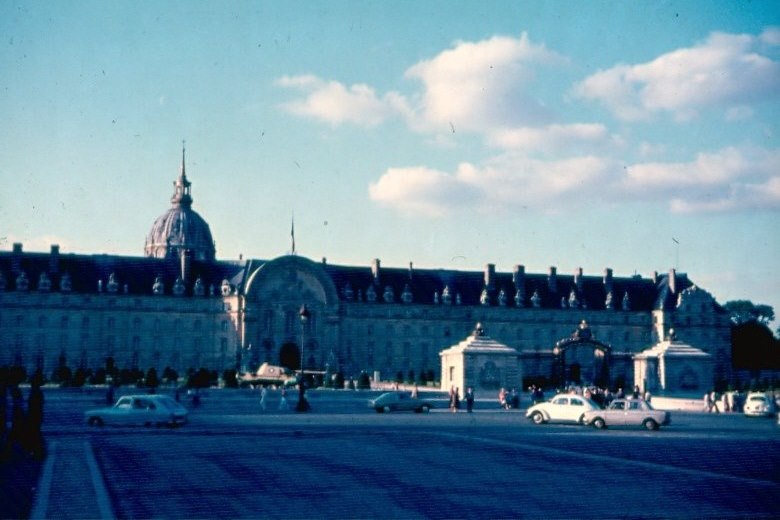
<point x="581" y="359"/>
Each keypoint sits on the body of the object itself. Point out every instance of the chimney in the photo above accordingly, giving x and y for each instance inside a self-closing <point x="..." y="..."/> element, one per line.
<point x="324" y="260"/>
<point x="518" y="276"/>
<point x="673" y="281"/>
<point x="490" y="276"/>
<point x="655" y="277"/>
<point x="16" y="258"/>
<point x="578" y="279"/>
<point x="552" y="279"/>
<point x="54" y="259"/>
<point x="411" y="270"/>
<point x="375" y="265"/>
<point x="607" y="279"/>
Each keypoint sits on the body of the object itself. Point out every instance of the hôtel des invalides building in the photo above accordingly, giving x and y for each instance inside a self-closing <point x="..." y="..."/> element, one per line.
<point x="178" y="306"/>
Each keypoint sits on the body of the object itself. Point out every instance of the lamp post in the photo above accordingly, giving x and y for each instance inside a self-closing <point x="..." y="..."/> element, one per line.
<point x="303" y="405"/>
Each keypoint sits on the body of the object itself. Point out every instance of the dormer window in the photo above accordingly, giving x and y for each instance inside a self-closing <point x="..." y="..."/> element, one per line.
<point x="199" y="289"/>
<point x="406" y="296"/>
<point x="518" y="298"/>
<point x="446" y="297"/>
<point x="44" y="284"/>
<point x="178" y="287"/>
<point x="113" y="285"/>
<point x="158" y="287"/>
<point x="573" y="301"/>
<point x="626" y="302"/>
<point x="22" y="283"/>
<point x="484" y="298"/>
<point x="65" y="283"/>
<point x="388" y="296"/>
<point x="502" y="298"/>
<point x="370" y="294"/>
<point x="536" y="301"/>
<point x="348" y="292"/>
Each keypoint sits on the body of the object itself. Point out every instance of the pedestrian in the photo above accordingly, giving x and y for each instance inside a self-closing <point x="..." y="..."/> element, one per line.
<point x="110" y="394"/>
<point x="724" y="402"/>
<point x="414" y="392"/>
<point x="707" y="402"/>
<point x="648" y="396"/>
<point x="453" y="399"/>
<point x="283" y="400"/>
<point x="635" y="394"/>
<point x="263" y="393"/>
<point x="714" y="401"/>
<point x="469" y="399"/>
<point x="502" y="398"/>
<point x="35" y="419"/>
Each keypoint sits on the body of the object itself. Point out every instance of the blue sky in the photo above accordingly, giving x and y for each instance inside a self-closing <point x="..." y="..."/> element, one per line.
<point x="448" y="134"/>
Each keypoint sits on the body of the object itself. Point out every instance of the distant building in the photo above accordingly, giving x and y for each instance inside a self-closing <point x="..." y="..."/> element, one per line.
<point x="180" y="307"/>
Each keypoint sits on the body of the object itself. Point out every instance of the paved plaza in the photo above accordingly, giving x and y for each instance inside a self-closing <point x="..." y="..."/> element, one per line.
<point x="344" y="461"/>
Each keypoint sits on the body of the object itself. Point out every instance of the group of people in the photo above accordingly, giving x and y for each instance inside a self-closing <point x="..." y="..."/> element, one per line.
<point x="23" y="435"/>
<point x="510" y="399"/>
<point x="455" y="399"/>
<point x="726" y="402"/>
<point x="283" y="403"/>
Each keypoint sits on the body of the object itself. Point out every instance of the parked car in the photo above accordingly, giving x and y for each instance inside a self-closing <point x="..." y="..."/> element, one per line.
<point x="758" y="404"/>
<point x="628" y="412"/>
<point x="561" y="408"/>
<point x="145" y="410"/>
<point x="399" y="401"/>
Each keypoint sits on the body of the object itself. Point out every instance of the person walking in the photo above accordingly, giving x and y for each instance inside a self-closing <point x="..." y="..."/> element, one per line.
<point x="283" y="401"/>
<point x="714" y="401"/>
<point x="263" y="395"/>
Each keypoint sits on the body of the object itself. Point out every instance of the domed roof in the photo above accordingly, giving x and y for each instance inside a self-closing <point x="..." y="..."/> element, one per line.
<point x="180" y="229"/>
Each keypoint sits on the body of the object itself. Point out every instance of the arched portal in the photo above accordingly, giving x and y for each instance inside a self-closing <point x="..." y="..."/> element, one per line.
<point x="581" y="359"/>
<point x="290" y="356"/>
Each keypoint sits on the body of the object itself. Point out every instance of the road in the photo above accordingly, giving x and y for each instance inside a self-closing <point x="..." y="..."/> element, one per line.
<point x="344" y="461"/>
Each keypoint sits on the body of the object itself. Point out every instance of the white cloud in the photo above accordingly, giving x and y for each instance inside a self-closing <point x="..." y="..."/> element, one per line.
<point x="335" y="103"/>
<point x="552" y="138"/>
<point x="770" y="36"/>
<point x="725" y="70"/>
<point x="477" y="85"/>
<point x="423" y="191"/>
<point x="732" y="179"/>
<point x="507" y="182"/>
<point x="739" y="113"/>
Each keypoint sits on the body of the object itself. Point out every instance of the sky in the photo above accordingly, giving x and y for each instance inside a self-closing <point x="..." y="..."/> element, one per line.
<point x="639" y="136"/>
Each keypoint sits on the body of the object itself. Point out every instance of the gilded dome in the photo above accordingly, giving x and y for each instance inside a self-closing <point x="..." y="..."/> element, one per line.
<point x="180" y="229"/>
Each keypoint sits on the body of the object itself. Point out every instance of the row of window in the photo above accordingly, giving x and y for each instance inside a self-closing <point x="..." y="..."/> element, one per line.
<point x="65" y="322"/>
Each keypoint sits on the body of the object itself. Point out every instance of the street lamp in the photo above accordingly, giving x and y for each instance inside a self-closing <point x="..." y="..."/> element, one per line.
<point x="303" y="405"/>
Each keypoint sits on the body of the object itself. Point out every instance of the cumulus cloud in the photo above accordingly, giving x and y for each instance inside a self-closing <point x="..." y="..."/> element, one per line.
<point x="507" y="182"/>
<point x="726" y="70"/>
<point x="473" y="86"/>
<point x="336" y="103"/>
<point x="477" y="85"/>
<point x="732" y="179"/>
<point x="423" y="191"/>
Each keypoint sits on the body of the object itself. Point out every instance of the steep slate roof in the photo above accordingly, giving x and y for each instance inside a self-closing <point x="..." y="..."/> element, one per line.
<point x="139" y="274"/>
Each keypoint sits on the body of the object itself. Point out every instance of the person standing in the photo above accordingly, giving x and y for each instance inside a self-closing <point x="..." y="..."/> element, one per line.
<point x="469" y="399"/>
<point x="283" y="400"/>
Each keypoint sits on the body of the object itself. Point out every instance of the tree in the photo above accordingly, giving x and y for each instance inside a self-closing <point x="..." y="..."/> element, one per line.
<point x="745" y="311"/>
<point x="754" y="348"/>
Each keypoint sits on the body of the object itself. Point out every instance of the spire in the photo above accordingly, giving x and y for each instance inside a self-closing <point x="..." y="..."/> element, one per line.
<point x="181" y="186"/>
<point x="292" y="233"/>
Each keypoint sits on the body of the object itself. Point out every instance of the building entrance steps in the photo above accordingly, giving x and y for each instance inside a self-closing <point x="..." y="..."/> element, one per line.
<point x="71" y="484"/>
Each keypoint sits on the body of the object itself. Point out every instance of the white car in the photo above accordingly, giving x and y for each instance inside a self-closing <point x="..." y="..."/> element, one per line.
<point x="144" y="410"/>
<point x="758" y="404"/>
<point x="561" y="408"/>
<point x="628" y="412"/>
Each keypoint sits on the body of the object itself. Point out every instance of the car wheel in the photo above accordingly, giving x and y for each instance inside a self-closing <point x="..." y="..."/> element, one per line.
<point x="650" y="424"/>
<point x="379" y="409"/>
<point x="386" y="409"/>
<point x="95" y="421"/>
<point x="599" y="423"/>
<point x="537" y="418"/>
<point x="425" y="408"/>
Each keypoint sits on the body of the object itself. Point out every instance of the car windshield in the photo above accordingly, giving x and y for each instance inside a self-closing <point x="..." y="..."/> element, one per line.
<point x="758" y="398"/>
